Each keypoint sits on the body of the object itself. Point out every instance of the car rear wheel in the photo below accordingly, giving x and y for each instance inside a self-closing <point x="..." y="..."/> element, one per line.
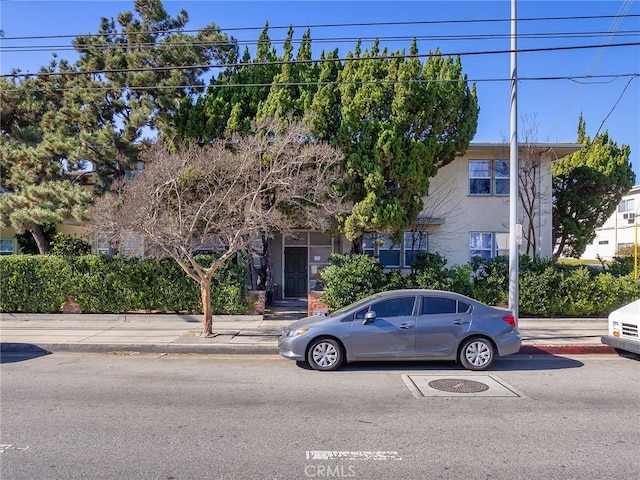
<point x="477" y="354"/>
<point x="325" y="354"/>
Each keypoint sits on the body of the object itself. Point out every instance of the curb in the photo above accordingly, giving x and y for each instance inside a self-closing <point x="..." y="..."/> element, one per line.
<point x="565" y="349"/>
<point x="176" y="348"/>
<point x="137" y="348"/>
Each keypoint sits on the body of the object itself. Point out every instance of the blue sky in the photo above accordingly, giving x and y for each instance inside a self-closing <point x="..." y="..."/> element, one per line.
<point x="610" y="102"/>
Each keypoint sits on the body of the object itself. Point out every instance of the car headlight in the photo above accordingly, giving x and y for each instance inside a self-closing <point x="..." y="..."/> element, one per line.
<point x="294" y="333"/>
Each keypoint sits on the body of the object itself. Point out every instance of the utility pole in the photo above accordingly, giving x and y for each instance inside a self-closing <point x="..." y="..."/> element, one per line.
<point x="513" y="173"/>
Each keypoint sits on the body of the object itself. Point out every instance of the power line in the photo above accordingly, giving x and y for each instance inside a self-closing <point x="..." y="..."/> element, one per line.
<point x="336" y="25"/>
<point x="322" y="40"/>
<point x="578" y="79"/>
<point x="614" y="106"/>
<point x="307" y="62"/>
<point x="624" y="8"/>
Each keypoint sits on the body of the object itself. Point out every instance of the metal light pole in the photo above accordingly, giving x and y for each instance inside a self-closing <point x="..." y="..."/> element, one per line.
<point x="513" y="174"/>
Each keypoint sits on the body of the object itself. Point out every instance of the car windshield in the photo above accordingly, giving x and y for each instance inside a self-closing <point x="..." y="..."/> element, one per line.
<point x="352" y="306"/>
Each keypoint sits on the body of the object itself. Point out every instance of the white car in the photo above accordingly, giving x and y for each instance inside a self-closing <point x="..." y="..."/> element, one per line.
<point x="624" y="328"/>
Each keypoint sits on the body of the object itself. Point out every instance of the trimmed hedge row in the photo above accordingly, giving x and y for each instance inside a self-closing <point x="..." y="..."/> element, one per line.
<point x="547" y="288"/>
<point x="104" y="284"/>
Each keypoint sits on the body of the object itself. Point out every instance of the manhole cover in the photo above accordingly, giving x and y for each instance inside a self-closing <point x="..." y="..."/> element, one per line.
<point x="458" y="385"/>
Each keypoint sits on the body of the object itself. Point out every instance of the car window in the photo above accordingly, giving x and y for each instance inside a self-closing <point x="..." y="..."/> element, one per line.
<point x="438" y="305"/>
<point x="394" y="307"/>
<point x="361" y="313"/>
<point x="464" y="307"/>
<point x="350" y="307"/>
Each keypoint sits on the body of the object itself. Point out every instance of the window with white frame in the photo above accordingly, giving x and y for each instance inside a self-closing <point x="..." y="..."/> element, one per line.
<point x="627" y="210"/>
<point x="488" y="177"/>
<point x="132" y="245"/>
<point x="388" y="251"/>
<point x="391" y="254"/>
<point x="7" y="246"/>
<point x="414" y="244"/>
<point x="626" y="205"/>
<point x="102" y="244"/>
<point x="488" y="244"/>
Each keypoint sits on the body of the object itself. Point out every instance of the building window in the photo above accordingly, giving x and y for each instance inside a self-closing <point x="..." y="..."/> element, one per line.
<point x="390" y="254"/>
<point x="626" y="205"/>
<point x="502" y="244"/>
<point x="489" y="177"/>
<point x="137" y="170"/>
<point x="488" y="245"/>
<point x="501" y="177"/>
<point x="132" y="245"/>
<point x="103" y="244"/>
<point x="7" y="246"/>
<point x="414" y="244"/>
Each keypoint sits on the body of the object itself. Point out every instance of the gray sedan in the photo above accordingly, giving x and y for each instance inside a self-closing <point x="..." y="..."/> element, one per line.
<point x="404" y="325"/>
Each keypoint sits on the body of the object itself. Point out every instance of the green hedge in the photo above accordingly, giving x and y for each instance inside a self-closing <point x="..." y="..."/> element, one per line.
<point x="547" y="288"/>
<point x="104" y="284"/>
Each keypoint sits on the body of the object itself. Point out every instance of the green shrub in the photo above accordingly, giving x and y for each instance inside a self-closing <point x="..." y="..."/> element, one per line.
<point x="429" y="271"/>
<point x="540" y="293"/>
<point x="104" y="284"/>
<point x="69" y="245"/>
<point x="490" y="280"/>
<point x="349" y="278"/>
<point x="623" y="262"/>
<point x="559" y="290"/>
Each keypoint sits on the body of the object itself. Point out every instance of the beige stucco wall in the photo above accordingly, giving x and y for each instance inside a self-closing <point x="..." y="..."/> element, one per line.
<point x="460" y="213"/>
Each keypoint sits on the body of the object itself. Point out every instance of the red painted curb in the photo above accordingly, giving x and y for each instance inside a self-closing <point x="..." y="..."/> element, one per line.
<point x="565" y="349"/>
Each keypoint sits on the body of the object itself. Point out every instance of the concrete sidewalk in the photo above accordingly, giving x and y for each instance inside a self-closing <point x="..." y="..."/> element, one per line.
<point x="242" y="334"/>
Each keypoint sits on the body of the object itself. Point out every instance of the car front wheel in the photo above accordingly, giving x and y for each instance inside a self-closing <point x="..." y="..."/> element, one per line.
<point x="325" y="354"/>
<point x="477" y="354"/>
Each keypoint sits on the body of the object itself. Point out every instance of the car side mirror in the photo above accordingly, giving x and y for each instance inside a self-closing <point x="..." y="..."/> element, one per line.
<point x="369" y="317"/>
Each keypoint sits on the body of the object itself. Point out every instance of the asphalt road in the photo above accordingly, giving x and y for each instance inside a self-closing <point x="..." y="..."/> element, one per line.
<point x="98" y="416"/>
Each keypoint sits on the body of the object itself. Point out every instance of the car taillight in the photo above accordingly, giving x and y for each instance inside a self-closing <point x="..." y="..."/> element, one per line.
<point x="510" y="319"/>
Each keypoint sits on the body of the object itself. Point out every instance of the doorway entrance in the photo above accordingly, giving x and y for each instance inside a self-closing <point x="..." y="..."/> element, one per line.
<point x="295" y="271"/>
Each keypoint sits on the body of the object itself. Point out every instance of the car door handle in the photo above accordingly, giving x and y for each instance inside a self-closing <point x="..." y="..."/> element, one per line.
<point x="460" y="322"/>
<point x="405" y="325"/>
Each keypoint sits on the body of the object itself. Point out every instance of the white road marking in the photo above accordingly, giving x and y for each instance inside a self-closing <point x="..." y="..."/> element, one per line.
<point x="357" y="455"/>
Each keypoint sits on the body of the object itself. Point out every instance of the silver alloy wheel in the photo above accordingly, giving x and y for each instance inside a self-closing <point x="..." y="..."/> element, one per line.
<point x="325" y="354"/>
<point x="477" y="354"/>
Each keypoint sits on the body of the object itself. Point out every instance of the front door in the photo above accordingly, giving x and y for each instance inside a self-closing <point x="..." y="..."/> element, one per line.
<point x="295" y="271"/>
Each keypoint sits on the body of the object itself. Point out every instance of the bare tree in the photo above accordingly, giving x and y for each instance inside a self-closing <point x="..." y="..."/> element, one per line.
<point x="224" y="195"/>
<point x="530" y="179"/>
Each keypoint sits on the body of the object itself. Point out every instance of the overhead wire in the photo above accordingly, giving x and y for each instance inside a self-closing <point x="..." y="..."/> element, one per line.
<point x="18" y="74"/>
<point x="323" y="40"/>
<point x="338" y="25"/>
<point x="624" y="8"/>
<point x="592" y="79"/>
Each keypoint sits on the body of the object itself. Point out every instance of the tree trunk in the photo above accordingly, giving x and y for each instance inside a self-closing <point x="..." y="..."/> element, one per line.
<point x="559" y="247"/>
<point x="205" y="293"/>
<point x="41" y="241"/>
<point x="268" y="270"/>
<point x="357" y="245"/>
